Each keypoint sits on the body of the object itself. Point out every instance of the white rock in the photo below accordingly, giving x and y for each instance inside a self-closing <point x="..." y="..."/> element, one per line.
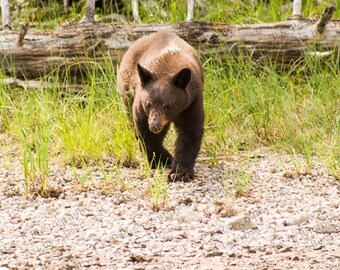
<point x="326" y="227"/>
<point x="189" y="216"/>
<point x="240" y="223"/>
<point x="296" y="219"/>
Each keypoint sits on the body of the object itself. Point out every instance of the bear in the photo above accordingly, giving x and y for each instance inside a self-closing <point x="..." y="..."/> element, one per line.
<point x="160" y="81"/>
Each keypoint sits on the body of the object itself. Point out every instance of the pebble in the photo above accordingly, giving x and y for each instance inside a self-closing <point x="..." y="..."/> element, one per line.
<point x="296" y="219"/>
<point x="241" y="223"/>
<point x="188" y="216"/>
<point x="326" y="227"/>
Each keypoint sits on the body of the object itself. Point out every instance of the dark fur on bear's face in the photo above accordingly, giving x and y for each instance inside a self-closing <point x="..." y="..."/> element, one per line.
<point x="164" y="99"/>
<point x="160" y="81"/>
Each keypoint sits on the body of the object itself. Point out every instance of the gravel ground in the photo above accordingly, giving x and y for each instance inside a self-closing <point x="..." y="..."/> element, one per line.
<point x="287" y="220"/>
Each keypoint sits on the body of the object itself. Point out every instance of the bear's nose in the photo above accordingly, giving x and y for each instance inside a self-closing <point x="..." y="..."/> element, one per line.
<point x="157" y="121"/>
<point x="155" y="126"/>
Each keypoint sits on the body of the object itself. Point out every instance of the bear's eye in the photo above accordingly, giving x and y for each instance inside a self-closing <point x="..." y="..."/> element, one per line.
<point x="166" y="107"/>
<point x="147" y="105"/>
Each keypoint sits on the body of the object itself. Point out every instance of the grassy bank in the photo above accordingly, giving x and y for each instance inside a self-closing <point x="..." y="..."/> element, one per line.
<point x="246" y="106"/>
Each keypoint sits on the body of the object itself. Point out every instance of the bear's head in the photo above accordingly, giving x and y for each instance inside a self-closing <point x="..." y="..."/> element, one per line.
<point x="164" y="98"/>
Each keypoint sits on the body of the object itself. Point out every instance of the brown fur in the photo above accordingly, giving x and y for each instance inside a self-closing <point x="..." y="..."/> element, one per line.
<point x="160" y="81"/>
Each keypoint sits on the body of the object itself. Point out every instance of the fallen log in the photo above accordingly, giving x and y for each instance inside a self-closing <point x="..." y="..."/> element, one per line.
<point x="38" y="53"/>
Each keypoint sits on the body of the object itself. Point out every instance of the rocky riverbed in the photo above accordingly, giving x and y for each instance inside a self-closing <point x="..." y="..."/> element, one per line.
<point x="288" y="219"/>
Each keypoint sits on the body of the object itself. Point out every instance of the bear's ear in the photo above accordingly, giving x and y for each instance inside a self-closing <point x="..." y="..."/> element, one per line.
<point x="144" y="75"/>
<point x="182" y="78"/>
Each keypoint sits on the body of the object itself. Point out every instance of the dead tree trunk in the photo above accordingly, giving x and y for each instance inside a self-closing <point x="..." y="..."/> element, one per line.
<point x="5" y="14"/>
<point x="42" y="52"/>
<point x="89" y="12"/>
<point x="297" y="9"/>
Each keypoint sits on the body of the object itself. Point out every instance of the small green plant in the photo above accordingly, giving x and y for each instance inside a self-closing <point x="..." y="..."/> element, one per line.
<point x="211" y="152"/>
<point x="115" y="178"/>
<point x="5" y="107"/>
<point x="333" y="164"/>
<point x="226" y="207"/>
<point x="331" y="154"/>
<point x="241" y="178"/>
<point x="82" y="174"/>
<point x="118" y="177"/>
<point x="226" y="186"/>
<point x="302" y="164"/>
<point x="35" y="122"/>
<point x="159" y="188"/>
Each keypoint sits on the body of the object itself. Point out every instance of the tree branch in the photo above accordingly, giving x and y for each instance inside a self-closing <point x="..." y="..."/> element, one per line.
<point x="325" y="18"/>
<point x="22" y="34"/>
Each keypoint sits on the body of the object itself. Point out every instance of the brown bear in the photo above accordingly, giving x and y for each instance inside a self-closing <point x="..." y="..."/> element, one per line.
<point x="160" y="81"/>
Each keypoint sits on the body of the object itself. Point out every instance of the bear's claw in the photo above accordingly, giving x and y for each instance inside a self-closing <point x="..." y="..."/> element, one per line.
<point x="180" y="175"/>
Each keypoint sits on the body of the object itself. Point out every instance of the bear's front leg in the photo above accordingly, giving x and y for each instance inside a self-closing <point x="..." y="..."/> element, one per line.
<point x="152" y="144"/>
<point x="190" y="133"/>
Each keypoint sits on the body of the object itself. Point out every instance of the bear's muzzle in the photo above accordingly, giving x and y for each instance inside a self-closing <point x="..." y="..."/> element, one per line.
<point x="157" y="122"/>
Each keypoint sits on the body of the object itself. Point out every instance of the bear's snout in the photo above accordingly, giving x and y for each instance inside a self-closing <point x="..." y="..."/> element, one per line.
<point x="157" y="122"/>
<point x="156" y="128"/>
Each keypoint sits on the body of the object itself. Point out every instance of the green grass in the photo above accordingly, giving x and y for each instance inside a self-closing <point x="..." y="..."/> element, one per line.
<point x="161" y="11"/>
<point x="251" y="106"/>
<point x="246" y="106"/>
<point x="159" y="188"/>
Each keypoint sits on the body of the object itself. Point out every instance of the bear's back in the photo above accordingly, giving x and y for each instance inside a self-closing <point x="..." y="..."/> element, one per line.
<point x="161" y="53"/>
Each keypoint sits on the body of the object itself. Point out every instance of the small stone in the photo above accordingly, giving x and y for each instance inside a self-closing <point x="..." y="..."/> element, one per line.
<point x="186" y="215"/>
<point x="176" y="227"/>
<point x="241" y="223"/>
<point x="278" y="246"/>
<point x="285" y="249"/>
<point x="251" y="250"/>
<point x="288" y="174"/>
<point x="12" y="265"/>
<point x="269" y="251"/>
<point x="139" y="258"/>
<point x="214" y="253"/>
<point x="296" y="220"/>
<point x="182" y="235"/>
<point x="326" y="227"/>
<point x="231" y="254"/>
<point x="186" y="201"/>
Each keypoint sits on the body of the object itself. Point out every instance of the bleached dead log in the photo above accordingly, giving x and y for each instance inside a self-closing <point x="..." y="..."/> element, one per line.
<point x="26" y="84"/>
<point x="89" y="12"/>
<point x="135" y="12"/>
<point x="190" y="13"/>
<point x="5" y="14"/>
<point x="43" y="52"/>
<point x="38" y="84"/>
<point x="65" y="4"/>
<point x="297" y="9"/>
